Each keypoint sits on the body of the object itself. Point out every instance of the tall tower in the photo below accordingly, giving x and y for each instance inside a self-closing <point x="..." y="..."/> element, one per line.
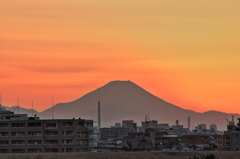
<point x="189" y="123"/>
<point x="99" y="115"/>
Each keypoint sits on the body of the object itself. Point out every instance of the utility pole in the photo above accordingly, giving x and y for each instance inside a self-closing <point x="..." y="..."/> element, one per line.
<point x="32" y="108"/>
<point x="18" y="105"/>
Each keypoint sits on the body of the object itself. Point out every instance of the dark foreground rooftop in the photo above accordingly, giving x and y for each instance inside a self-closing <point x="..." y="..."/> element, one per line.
<point x="122" y="155"/>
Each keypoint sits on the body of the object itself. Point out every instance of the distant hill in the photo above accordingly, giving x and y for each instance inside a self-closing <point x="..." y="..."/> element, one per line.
<point x="29" y="112"/>
<point x="126" y="100"/>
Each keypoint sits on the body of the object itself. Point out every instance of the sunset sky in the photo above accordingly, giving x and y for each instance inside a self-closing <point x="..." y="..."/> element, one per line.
<point x="185" y="52"/>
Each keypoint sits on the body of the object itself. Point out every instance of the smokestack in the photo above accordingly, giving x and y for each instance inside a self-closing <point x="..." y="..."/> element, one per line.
<point x="99" y="115"/>
<point x="189" y="123"/>
<point x="233" y="118"/>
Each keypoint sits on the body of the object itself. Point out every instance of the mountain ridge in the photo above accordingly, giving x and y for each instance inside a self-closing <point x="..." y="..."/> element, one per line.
<point x="129" y="98"/>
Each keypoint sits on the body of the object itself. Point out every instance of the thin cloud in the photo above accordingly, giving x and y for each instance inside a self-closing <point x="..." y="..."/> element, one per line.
<point x="54" y="86"/>
<point x="62" y="69"/>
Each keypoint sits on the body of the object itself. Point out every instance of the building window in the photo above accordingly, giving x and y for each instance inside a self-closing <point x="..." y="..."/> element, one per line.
<point x="35" y="124"/>
<point x="69" y="133"/>
<point x="51" y="149"/>
<point x="79" y="124"/>
<point x="34" y="150"/>
<point x="3" y="125"/>
<point x="67" y="124"/>
<point x="18" y="133"/>
<point x="34" y="133"/>
<point x="51" y="133"/>
<point x="51" y="125"/>
<point x="18" y="142"/>
<point x="34" y="142"/>
<point x="18" y="151"/>
<point x="51" y="142"/>
<point x="67" y="141"/>
<point x="2" y="134"/>
<point x="67" y="149"/>
<point x="18" y="125"/>
<point x="3" y="142"/>
<point x="4" y="151"/>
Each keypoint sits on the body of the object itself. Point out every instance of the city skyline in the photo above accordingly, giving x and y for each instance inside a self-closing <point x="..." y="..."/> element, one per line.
<point x="185" y="53"/>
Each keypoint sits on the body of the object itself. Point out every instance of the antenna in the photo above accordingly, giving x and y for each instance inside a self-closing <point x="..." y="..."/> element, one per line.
<point x="18" y="105"/>
<point x="32" y="108"/>
<point x="0" y="99"/>
<point x="189" y="123"/>
<point x="99" y="115"/>
<point x="148" y="115"/>
<point x="227" y="121"/>
<point x="52" y="108"/>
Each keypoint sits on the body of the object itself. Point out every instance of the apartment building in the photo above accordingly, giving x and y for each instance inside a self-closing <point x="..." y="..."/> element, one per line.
<point x="113" y="133"/>
<point x="53" y="135"/>
<point x="207" y="142"/>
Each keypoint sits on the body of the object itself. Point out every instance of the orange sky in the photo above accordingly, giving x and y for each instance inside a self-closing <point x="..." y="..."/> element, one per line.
<point x="185" y="52"/>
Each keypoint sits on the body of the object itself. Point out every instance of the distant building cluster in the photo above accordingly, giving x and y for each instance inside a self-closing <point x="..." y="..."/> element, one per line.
<point x="22" y="134"/>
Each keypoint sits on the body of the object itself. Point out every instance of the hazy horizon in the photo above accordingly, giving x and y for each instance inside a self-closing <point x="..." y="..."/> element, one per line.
<point x="55" y="103"/>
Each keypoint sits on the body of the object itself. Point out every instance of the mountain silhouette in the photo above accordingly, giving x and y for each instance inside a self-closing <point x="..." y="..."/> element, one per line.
<point x="126" y="100"/>
<point x="29" y="112"/>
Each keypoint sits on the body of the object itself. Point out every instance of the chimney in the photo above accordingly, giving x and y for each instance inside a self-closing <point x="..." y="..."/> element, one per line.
<point x="99" y="115"/>
<point x="233" y="118"/>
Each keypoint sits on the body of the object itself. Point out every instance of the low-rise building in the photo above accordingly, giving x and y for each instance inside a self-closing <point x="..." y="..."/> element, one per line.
<point x="113" y="133"/>
<point x="32" y="135"/>
<point x="207" y="142"/>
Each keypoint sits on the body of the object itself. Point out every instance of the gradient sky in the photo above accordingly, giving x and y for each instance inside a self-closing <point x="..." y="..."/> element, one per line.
<point x="185" y="52"/>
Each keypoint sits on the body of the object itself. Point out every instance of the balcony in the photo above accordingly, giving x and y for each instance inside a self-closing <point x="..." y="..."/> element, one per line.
<point x="51" y="133"/>
<point x="67" y="124"/>
<point x="3" y="143"/>
<point x="3" y="134"/>
<point x="18" y="125"/>
<point x="68" y="141"/>
<point x="34" y="124"/>
<point x="3" y="125"/>
<point x="18" y="134"/>
<point x="34" y="142"/>
<point x="34" y="133"/>
<point x="67" y="133"/>
<point x="51" y="126"/>
<point x="18" y="142"/>
<point x="51" y="142"/>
